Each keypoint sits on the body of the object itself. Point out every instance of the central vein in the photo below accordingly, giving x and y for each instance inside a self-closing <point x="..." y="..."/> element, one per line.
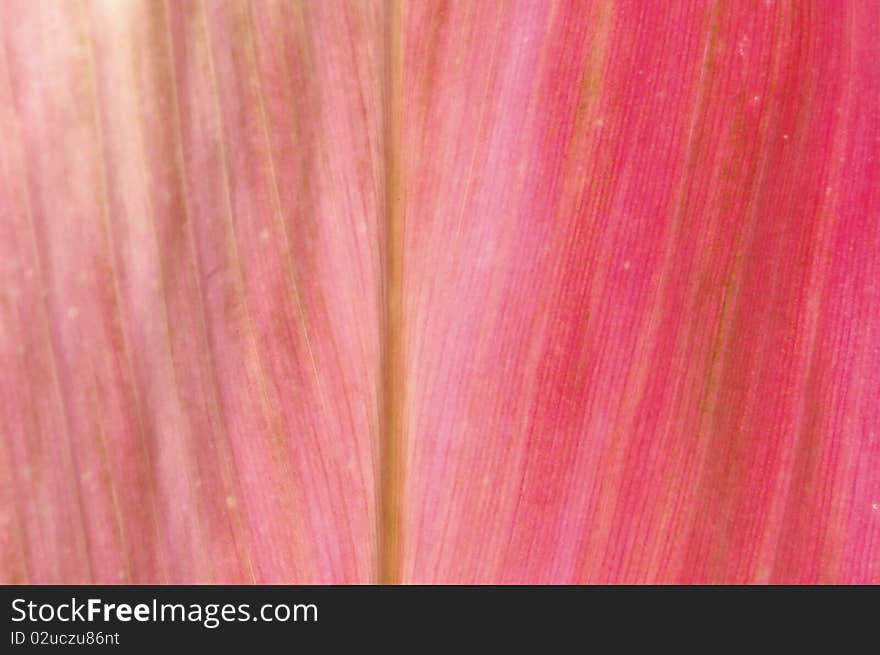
<point x="391" y="430"/>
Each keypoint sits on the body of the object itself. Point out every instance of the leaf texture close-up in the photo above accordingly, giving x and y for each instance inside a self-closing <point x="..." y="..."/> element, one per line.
<point x="439" y="291"/>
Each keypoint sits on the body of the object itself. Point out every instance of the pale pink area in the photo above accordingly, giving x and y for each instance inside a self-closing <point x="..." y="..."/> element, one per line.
<point x="640" y="329"/>
<point x="190" y="307"/>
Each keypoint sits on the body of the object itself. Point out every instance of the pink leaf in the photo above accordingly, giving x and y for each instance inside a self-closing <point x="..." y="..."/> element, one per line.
<point x="439" y="291"/>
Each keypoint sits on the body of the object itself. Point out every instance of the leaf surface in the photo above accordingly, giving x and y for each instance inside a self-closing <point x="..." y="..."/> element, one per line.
<point x="543" y="292"/>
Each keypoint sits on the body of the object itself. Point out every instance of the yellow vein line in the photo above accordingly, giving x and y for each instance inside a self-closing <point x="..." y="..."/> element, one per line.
<point x="391" y="432"/>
